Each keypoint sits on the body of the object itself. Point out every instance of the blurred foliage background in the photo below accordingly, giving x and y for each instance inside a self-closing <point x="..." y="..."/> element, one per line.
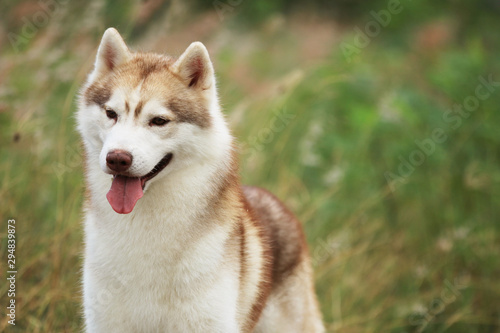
<point x="377" y="122"/>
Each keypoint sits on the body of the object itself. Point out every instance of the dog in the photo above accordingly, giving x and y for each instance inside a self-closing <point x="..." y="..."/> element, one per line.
<point x="173" y="242"/>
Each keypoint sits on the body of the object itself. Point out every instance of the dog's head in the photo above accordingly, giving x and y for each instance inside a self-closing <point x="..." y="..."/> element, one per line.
<point x="144" y="115"/>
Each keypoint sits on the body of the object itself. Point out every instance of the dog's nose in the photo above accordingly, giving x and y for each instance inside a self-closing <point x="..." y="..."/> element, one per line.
<point x="119" y="160"/>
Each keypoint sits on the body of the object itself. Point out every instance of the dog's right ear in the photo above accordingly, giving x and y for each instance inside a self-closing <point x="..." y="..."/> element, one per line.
<point x="112" y="52"/>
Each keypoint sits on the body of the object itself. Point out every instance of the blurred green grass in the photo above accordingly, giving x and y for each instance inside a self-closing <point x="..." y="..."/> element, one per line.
<point x="321" y="132"/>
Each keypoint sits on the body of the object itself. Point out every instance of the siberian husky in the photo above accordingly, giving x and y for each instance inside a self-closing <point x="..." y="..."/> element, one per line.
<point x="173" y="242"/>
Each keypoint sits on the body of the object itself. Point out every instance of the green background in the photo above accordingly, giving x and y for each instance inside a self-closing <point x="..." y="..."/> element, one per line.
<point x="368" y="123"/>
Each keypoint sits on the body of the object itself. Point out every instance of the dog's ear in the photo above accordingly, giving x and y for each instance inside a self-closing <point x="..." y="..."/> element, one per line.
<point x="111" y="53"/>
<point x="194" y="67"/>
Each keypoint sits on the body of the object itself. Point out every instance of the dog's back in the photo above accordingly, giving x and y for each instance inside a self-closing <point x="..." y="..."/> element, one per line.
<point x="292" y="305"/>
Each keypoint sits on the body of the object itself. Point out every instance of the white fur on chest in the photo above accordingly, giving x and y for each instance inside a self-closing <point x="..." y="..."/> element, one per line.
<point x="156" y="270"/>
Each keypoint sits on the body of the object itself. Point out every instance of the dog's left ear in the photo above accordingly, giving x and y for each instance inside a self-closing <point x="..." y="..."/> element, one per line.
<point x="112" y="52"/>
<point x="194" y="67"/>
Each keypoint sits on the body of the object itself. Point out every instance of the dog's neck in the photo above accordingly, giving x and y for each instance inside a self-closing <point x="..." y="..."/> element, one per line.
<point x="190" y="190"/>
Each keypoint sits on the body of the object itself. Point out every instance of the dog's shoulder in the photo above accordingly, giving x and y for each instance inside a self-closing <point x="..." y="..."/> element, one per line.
<point x="282" y="228"/>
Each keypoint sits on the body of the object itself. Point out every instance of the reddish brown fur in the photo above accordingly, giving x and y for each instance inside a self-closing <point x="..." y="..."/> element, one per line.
<point x="138" y="109"/>
<point x="242" y="238"/>
<point x="229" y="199"/>
<point x="288" y="241"/>
<point x="265" y="283"/>
<point x="98" y="93"/>
<point x="154" y="72"/>
<point x="110" y="55"/>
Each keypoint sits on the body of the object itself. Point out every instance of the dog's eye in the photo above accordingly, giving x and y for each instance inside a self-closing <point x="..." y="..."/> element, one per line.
<point x="158" y="121"/>
<point x="111" y="114"/>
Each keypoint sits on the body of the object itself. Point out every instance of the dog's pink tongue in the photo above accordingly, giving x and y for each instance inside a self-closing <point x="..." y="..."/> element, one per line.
<point x="124" y="193"/>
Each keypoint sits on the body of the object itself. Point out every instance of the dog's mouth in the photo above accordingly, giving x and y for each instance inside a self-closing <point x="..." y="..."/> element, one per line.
<point x="125" y="191"/>
<point x="157" y="169"/>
